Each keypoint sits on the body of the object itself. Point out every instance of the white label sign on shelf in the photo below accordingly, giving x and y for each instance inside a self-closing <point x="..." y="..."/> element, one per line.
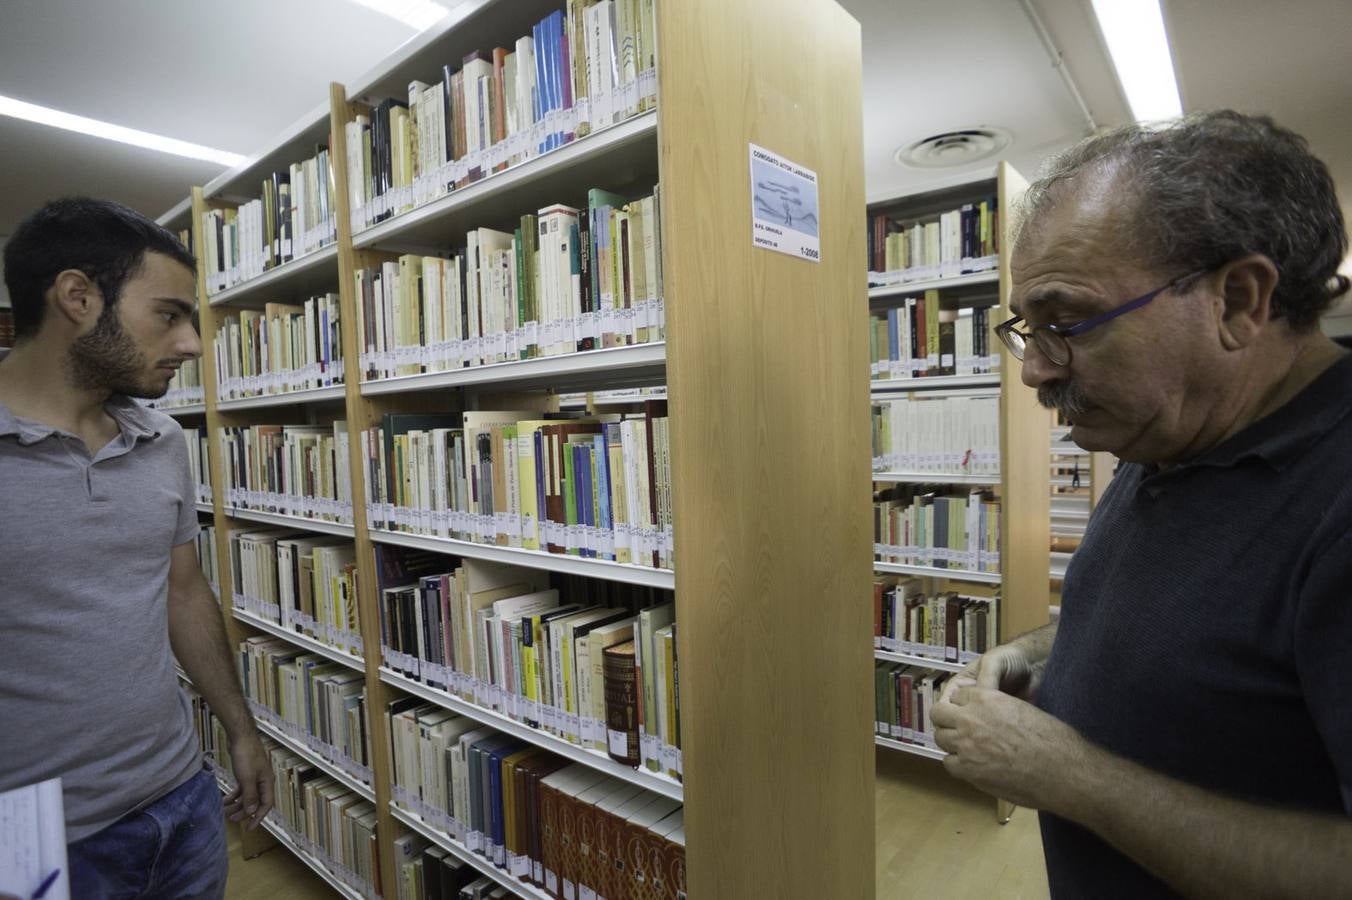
<point x="784" y="206"/>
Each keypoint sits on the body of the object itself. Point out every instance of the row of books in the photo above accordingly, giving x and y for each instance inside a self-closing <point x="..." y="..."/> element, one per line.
<point x="564" y="280"/>
<point x="945" y="245"/>
<point x="327" y="819"/>
<point x="296" y="470"/>
<point x="581" y="69"/>
<point x="912" y="526"/>
<point x="198" y="462"/>
<point x="904" y="698"/>
<point x="563" y="827"/>
<point x="282" y="348"/>
<point x="429" y="872"/>
<point x="941" y="625"/>
<point x="185" y="388"/>
<point x="954" y="435"/>
<point x="599" y="671"/>
<point x="596" y="487"/>
<point x="208" y="559"/>
<point x="317" y="703"/>
<point x="611" y="397"/>
<point x="302" y="582"/>
<point x="294" y="216"/>
<point x="322" y="818"/>
<point x="918" y="338"/>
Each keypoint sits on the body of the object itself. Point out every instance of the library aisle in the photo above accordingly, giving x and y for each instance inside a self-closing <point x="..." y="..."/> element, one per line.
<point x="273" y="874"/>
<point x="936" y="838"/>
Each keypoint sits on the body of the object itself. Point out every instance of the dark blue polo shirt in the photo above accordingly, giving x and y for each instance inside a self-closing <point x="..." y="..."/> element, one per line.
<point x="1206" y="627"/>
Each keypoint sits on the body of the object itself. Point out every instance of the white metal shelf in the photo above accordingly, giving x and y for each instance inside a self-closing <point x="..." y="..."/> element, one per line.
<point x="901" y="385"/>
<point x="635" y="362"/>
<point x="935" y="572"/>
<point x="461" y="852"/>
<point x="315" y="759"/>
<point x="351" y="660"/>
<point x="295" y="143"/>
<point x="953" y="283"/>
<point x="652" y="781"/>
<point x="325" y="527"/>
<point x="912" y="660"/>
<point x="306" y="275"/>
<point x="532" y="559"/>
<point x="934" y="478"/>
<point x="916" y="749"/>
<point x="627" y="143"/>
<point x="187" y="409"/>
<point x="179" y="213"/>
<point x="205" y="507"/>
<point x="289" y="398"/>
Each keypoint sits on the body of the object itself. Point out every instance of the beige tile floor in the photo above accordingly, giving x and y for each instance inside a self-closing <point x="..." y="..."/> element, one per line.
<point x="938" y="838"/>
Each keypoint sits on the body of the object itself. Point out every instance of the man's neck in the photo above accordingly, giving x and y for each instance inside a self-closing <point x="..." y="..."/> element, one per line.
<point x="35" y="384"/>
<point x="1271" y="379"/>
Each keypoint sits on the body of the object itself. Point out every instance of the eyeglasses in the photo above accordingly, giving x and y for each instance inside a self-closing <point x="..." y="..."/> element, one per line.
<point x="1052" y="340"/>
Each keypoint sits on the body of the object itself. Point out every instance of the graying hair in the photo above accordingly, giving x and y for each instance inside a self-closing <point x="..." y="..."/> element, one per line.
<point x="1209" y="188"/>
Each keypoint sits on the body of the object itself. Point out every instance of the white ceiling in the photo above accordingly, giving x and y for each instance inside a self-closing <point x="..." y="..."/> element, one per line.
<point x="213" y="73"/>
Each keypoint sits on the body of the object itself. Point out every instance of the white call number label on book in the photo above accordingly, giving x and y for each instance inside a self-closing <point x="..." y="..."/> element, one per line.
<point x="784" y="206"/>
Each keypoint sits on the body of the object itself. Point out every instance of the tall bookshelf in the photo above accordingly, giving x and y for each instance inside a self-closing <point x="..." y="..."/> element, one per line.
<point x="1021" y="483"/>
<point x="765" y="386"/>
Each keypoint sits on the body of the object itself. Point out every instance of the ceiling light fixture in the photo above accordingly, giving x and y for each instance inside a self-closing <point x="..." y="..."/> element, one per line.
<point x="31" y="112"/>
<point x="1137" y="42"/>
<point x="416" y="14"/>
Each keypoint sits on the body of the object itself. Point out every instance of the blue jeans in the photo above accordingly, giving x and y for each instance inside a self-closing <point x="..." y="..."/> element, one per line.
<point x="173" y="849"/>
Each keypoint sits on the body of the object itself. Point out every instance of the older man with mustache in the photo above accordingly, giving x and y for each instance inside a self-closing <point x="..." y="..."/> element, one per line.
<point x="1186" y="727"/>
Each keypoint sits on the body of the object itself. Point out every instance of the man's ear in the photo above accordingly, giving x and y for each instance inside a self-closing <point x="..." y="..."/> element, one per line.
<point x="75" y="299"/>
<point x="1245" y="303"/>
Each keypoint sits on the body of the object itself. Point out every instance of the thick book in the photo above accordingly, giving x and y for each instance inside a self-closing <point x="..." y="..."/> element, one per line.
<point x="622" y="723"/>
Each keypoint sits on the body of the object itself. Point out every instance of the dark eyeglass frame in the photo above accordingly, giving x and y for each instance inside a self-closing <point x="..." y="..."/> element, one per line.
<point x="1051" y="339"/>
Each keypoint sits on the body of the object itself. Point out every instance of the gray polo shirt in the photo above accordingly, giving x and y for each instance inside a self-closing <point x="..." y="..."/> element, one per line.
<point x="87" y="686"/>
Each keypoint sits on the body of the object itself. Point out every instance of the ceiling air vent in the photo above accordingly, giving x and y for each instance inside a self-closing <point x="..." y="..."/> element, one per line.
<point x="954" y="148"/>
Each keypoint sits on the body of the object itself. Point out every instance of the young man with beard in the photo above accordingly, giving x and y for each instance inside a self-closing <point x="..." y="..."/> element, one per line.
<point x="1186" y="727"/>
<point x="99" y="582"/>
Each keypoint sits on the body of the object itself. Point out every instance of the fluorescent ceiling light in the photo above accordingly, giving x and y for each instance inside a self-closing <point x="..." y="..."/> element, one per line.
<point x="1134" y="31"/>
<point x="416" y="14"/>
<point x="31" y="112"/>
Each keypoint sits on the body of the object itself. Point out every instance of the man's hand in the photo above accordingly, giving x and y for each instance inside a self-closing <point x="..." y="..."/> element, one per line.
<point x="1007" y="747"/>
<point x="1007" y="668"/>
<point x="253" y="770"/>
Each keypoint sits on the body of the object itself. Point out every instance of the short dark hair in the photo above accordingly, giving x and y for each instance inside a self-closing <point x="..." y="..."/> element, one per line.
<point x="105" y="240"/>
<point x="1212" y="187"/>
